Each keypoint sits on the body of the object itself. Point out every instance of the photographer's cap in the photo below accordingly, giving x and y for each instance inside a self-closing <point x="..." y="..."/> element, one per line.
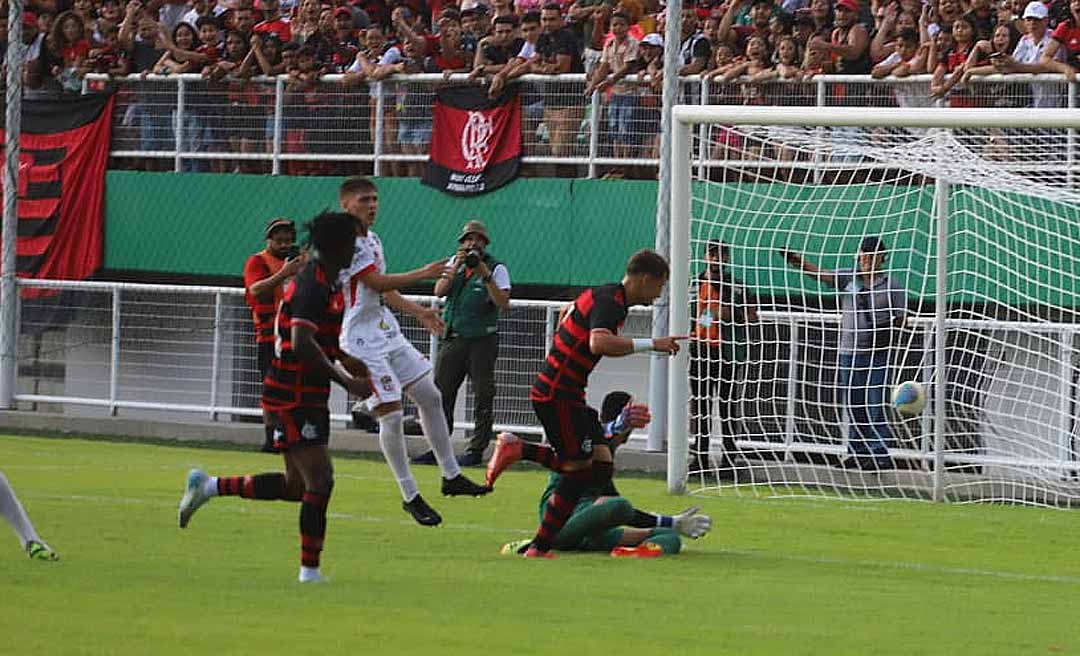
<point x="872" y="245"/>
<point x="474" y="227"/>
<point x="279" y="222"/>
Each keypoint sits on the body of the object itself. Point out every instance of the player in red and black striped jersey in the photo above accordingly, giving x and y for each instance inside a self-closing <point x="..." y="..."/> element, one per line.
<point x="578" y="449"/>
<point x="296" y="390"/>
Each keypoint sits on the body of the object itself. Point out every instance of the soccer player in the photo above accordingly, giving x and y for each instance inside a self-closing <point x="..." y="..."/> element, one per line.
<point x="14" y="513"/>
<point x="605" y="521"/>
<point x="579" y="448"/>
<point x="370" y="333"/>
<point x="296" y="391"/>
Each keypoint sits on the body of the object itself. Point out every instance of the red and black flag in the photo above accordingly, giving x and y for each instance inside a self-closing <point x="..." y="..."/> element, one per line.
<point x="64" y="149"/>
<point x="475" y="140"/>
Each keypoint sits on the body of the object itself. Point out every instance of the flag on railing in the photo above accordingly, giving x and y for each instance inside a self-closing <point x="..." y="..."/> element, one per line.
<point x="64" y="149"/>
<point x="475" y="140"/>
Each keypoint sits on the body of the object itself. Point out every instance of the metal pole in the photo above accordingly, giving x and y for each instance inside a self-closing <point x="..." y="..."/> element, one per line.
<point x="10" y="231"/>
<point x="1065" y="390"/>
<point x="678" y="384"/>
<point x="215" y="355"/>
<point x="380" y="115"/>
<point x="792" y="388"/>
<point x="279" y="111"/>
<point x="178" y="135"/>
<point x="1070" y="142"/>
<point x="941" y="213"/>
<point x="114" y="353"/>
<point x="658" y="365"/>
<point x="819" y="135"/>
<point x="703" y="131"/>
<point x="594" y="132"/>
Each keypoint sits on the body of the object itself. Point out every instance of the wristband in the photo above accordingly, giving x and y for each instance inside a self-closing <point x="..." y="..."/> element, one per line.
<point x="642" y="344"/>
<point x="665" y="521"/>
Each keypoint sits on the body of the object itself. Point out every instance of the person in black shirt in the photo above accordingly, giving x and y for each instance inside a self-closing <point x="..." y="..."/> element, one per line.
<point x="496" y="51"/>
<point x="559" y="51"/>
<point x="296" y="391"/>
<point x="587" y="331"/>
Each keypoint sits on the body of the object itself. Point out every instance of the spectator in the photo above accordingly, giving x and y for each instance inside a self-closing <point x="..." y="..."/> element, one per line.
<point x="821" y="13"/>
<point x="67" y="48"/>
<point x="907" y="58"/>
<point x="476" y="287"/>
<point x="265" y="276"/>
<point x="723" y="59"/>
<point x="84" y="9"/>
<point x="470" y="25"/>
<point x="272" y="22"/>
<point x="757" y="67"/>
<point x="873" y="310"/>
<point x="651" y="65"/>
<point x="953" y="63"/>
<point x="849" y="46"/>
<point x="140" y="38"/>
<point x="202" y="9"/>
<point x="267" y="55"/>
<point x="345" y="45"/>
<point x="1027" y="57"/>
<point x="588" y="19"/>
<point x="617" y="61"/>
<point x="504" y="8"/>
<point x="739" y="35"/>
<point x="243" y="20"/>
<point x="722" y="308"/>
<point x="1066" y="39"/>
<point x="107" y="56"/>
<point x="414" y="115"/>
<point x="982" y="18"/>
<point x="183" y="43"/>
<point x="495" y="51"/>
<point x="694" y="51"/>
<point x="307" y="23"/>
<point x="109" y="14"/>
<point x="788" y="59"/>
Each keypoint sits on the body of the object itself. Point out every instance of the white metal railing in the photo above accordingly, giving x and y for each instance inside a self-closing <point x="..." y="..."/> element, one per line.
<point x="198" y="124"/>
<point x="173" y="351"/>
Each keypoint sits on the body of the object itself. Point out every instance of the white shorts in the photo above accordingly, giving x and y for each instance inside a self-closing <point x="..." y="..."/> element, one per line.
<point x="393" y="371"/>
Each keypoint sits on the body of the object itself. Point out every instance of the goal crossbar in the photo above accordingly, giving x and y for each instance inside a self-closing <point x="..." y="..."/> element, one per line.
<point x="907" y="117"/>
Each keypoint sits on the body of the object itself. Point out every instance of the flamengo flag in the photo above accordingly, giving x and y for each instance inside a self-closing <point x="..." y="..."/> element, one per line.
<point x="64" y="149"/>
<point x="475" y="140"/>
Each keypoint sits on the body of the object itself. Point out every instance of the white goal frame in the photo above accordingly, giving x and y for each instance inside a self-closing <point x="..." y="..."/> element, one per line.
<point x="686" y="117"/>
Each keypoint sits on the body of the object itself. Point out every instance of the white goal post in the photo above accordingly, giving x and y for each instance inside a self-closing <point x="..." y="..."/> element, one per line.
<point x="824" y="179"/>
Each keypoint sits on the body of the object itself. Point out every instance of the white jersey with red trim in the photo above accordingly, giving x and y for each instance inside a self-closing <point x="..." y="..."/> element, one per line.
<point x="368" y="327"/>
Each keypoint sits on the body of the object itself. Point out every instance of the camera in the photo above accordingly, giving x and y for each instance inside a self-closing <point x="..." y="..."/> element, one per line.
<point x="472" y="258"/>
<point x="292" y="252"/>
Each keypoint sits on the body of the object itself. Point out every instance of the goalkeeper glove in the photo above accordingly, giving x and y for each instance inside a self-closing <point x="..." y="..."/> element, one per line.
<point x="691" y="524"/>
<point x="632" y="416"/>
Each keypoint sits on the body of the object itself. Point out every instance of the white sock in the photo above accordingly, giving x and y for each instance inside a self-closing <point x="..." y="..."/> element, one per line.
<point x="428" y="401"/>
<point x="13" y="511"/>
<point x="392" y="442"/>
<point x="209" y="487"/>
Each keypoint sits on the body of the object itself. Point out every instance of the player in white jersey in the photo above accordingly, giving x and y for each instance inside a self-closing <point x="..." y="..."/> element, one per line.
<point x="371" y="335"/>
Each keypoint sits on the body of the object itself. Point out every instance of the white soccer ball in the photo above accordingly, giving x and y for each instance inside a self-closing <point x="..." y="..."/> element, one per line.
<point x="909" y="398"/>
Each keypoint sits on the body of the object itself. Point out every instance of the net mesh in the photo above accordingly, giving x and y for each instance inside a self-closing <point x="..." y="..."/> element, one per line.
<point x="797" y="349"/>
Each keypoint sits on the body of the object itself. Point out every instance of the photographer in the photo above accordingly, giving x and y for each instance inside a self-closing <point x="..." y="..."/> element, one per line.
<point x="265" y="275"/>
<point x="476" y="287"/>
<point x="873" y="309"/>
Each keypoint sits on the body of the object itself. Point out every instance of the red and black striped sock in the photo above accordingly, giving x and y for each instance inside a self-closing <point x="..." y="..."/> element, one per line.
<point x="260" y="486"/>
<point x="559" y="506"/>
<point x="312" y="526"/>
<point x="540" y="454"/>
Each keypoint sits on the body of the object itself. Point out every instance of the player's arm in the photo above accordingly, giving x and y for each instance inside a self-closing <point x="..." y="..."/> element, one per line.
<point x="268" y="284"/>
<point x="809" y="268"/>
<point x="604" y="342"/>
<point x="427" y="316"/>
<point x="386" y="282"/>
<point x="308" y="352"/>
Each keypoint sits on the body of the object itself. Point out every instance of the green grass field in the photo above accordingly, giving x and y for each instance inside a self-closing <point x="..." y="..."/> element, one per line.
<point x="774" y="577"/>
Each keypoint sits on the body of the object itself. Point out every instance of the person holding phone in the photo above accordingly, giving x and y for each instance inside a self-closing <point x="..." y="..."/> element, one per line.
<point x="265" y="275"/>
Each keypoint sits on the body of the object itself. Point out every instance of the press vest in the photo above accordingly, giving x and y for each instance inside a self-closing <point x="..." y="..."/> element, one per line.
<point x="469" y="310"/>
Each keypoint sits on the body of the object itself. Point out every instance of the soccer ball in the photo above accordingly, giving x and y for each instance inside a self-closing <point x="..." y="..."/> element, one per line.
<point x="909" y="398"/>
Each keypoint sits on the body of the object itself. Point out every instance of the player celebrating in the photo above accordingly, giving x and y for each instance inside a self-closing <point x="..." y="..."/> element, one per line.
<point x="296" y="390"/>
<point x="370" y="333"/>
<point x="605" y="521"/>
<point x="578" y="448"/>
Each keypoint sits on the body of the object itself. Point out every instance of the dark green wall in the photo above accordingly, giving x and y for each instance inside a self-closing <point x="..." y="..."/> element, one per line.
<point x="1003" y="248"/>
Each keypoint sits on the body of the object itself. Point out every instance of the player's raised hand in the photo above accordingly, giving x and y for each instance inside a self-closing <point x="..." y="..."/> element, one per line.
<point x="669" y="344"/>
<point x="429" y="318"/>
<point x="435" y="269"/>
<point x="692" y="523"/>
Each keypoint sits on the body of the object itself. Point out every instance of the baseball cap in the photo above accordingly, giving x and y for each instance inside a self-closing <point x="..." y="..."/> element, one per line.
<point x="654" y="40"/>
<point x="1036" y="9"/>
<point x="850" y="5"/>
<point x="872" y="245"/>
<point x="474" y="227"/>
<point x="279" y="222"/>
<point x="342" y="11"/>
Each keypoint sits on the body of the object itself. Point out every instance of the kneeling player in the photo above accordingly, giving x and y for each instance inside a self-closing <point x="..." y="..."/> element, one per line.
<point x="296" y="391"/>
<point x="605" y="521"/>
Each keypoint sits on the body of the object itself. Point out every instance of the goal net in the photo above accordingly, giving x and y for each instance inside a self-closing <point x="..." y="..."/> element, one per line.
<point x="807" y="267"/>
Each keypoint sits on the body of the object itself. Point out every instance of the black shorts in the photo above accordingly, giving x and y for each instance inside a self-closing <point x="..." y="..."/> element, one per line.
<point x="266" y="354"/>
<point x="571" y="428"/>
<point x="301" y="427"/>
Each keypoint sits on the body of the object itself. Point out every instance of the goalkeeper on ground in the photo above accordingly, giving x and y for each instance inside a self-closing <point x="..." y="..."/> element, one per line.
<point x="605" y="521"/>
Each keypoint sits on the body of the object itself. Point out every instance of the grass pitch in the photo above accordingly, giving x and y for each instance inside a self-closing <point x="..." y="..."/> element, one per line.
<point x="774" y="577"/>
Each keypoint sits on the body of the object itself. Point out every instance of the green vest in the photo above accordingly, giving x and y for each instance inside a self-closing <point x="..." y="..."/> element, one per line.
<point x="469" y="310"/>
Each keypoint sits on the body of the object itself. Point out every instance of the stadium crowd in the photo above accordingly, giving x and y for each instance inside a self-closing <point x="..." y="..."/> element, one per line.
<point x="746" y="48"/>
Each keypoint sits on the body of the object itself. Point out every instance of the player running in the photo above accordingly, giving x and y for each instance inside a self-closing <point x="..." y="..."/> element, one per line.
<point x="579" y="449"/>
<point x="296" y="391"/>
<point x="605" y="521"/>
<point x="370" y="333"/>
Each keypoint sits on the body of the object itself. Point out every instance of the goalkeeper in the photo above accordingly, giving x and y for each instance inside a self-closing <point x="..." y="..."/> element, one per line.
<point x="605" y="521"/>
